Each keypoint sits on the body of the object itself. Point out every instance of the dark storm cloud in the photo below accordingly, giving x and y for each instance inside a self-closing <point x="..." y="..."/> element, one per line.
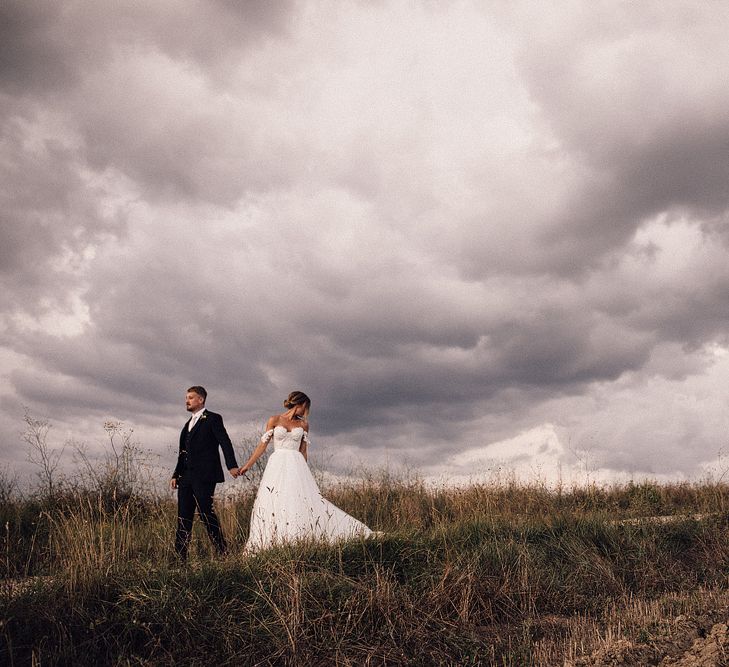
<point x="33" y="47"/>
<point x="49" y="219"/>
<point x="61" y="130"/>
<point x="47" y="45"/>
<point x="637" y="99"/>
<point x="447" y="228"/>
<point x="207" y="32"/>
<point x="80" y="60"/>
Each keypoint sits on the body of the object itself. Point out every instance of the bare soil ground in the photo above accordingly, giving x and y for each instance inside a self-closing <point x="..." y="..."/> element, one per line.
<point x="698" y="638"/>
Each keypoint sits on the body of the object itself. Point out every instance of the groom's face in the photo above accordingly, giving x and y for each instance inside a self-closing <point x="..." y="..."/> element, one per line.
<point x="193" y="401"/>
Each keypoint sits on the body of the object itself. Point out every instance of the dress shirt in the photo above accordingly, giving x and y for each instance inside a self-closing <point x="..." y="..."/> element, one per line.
<point x="195" y="417"/>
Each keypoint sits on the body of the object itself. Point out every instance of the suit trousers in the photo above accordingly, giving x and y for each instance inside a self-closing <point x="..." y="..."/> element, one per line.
<point x="190" y="496"/>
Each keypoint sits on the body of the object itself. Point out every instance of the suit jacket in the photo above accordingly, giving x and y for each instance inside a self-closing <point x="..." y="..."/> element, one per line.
<point x="199" y="456"/>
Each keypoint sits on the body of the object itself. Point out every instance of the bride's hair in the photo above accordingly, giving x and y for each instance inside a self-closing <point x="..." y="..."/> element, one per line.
<point x="297" y="398"/>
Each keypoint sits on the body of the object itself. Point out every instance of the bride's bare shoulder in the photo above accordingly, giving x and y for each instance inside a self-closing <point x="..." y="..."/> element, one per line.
<point x="272" y="421"/>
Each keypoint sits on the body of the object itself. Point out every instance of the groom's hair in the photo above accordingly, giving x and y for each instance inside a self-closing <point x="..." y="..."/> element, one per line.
<point x="200" y="391"/>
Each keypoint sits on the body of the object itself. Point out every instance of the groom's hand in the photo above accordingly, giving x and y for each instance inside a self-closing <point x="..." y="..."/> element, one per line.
<point x="234" y="472"/>
<point x="173" y="483"/>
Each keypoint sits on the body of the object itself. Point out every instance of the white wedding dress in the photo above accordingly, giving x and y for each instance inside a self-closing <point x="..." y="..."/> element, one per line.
<point x="289" y="505"/>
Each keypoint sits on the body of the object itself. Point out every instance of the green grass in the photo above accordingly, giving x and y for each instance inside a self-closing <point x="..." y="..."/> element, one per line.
<point x="462" y="576"/>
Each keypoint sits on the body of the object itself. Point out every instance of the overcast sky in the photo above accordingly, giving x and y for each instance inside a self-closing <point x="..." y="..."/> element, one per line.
<point x="477" y="234"/>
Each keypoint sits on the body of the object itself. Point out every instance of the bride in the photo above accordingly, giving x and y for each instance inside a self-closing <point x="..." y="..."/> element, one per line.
<point x="289" y="505"/>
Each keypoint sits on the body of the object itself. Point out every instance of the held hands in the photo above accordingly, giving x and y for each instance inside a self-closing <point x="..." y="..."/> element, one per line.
<point x="235" y="472"/>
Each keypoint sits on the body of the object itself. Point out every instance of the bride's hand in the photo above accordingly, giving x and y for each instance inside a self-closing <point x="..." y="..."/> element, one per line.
<point x="242" y="471"/>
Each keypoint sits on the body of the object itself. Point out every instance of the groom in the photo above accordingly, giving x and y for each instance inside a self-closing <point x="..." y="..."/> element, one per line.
<point x="198" y="470"/>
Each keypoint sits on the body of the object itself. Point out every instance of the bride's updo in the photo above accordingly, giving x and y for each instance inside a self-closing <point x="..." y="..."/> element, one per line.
<point x="297" y="398"/>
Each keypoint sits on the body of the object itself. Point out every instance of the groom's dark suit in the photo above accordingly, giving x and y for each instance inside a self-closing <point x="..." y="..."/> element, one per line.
<point x="198" y="470"/>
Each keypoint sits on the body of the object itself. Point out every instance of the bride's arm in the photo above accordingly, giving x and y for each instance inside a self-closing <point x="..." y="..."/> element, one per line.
<point x="304" y="446"/>
<point x="258" y="451"/>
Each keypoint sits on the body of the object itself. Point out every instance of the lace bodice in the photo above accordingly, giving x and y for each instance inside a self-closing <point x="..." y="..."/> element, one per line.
<point x="284" y="439"/>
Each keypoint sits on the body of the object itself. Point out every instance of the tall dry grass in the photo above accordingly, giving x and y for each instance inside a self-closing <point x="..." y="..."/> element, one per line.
<point x="506" y="574"/>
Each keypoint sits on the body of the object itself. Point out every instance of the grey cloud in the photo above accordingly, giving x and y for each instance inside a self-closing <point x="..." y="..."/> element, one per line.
<point x="172" y="142"/>
<point x="33" y="47"/>
<point x="50" y="217"/>
<point x="670" y="423"/>
<point x="240" y="246"/>
<point x="46" y="45"/>
<point x="693" y="314"/>
<point x="676" y="293"/>
<point x="207" y="32"/>
<point x="638" y="111"/>
<point x="681" y="168"/>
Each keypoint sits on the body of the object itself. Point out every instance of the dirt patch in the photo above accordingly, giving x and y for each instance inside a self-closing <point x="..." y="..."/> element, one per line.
<point x="706" y="652"/>
<point x="683" y="642"/>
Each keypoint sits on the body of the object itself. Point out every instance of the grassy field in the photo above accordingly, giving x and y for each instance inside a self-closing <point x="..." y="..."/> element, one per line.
<point x="503" y="574"/>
